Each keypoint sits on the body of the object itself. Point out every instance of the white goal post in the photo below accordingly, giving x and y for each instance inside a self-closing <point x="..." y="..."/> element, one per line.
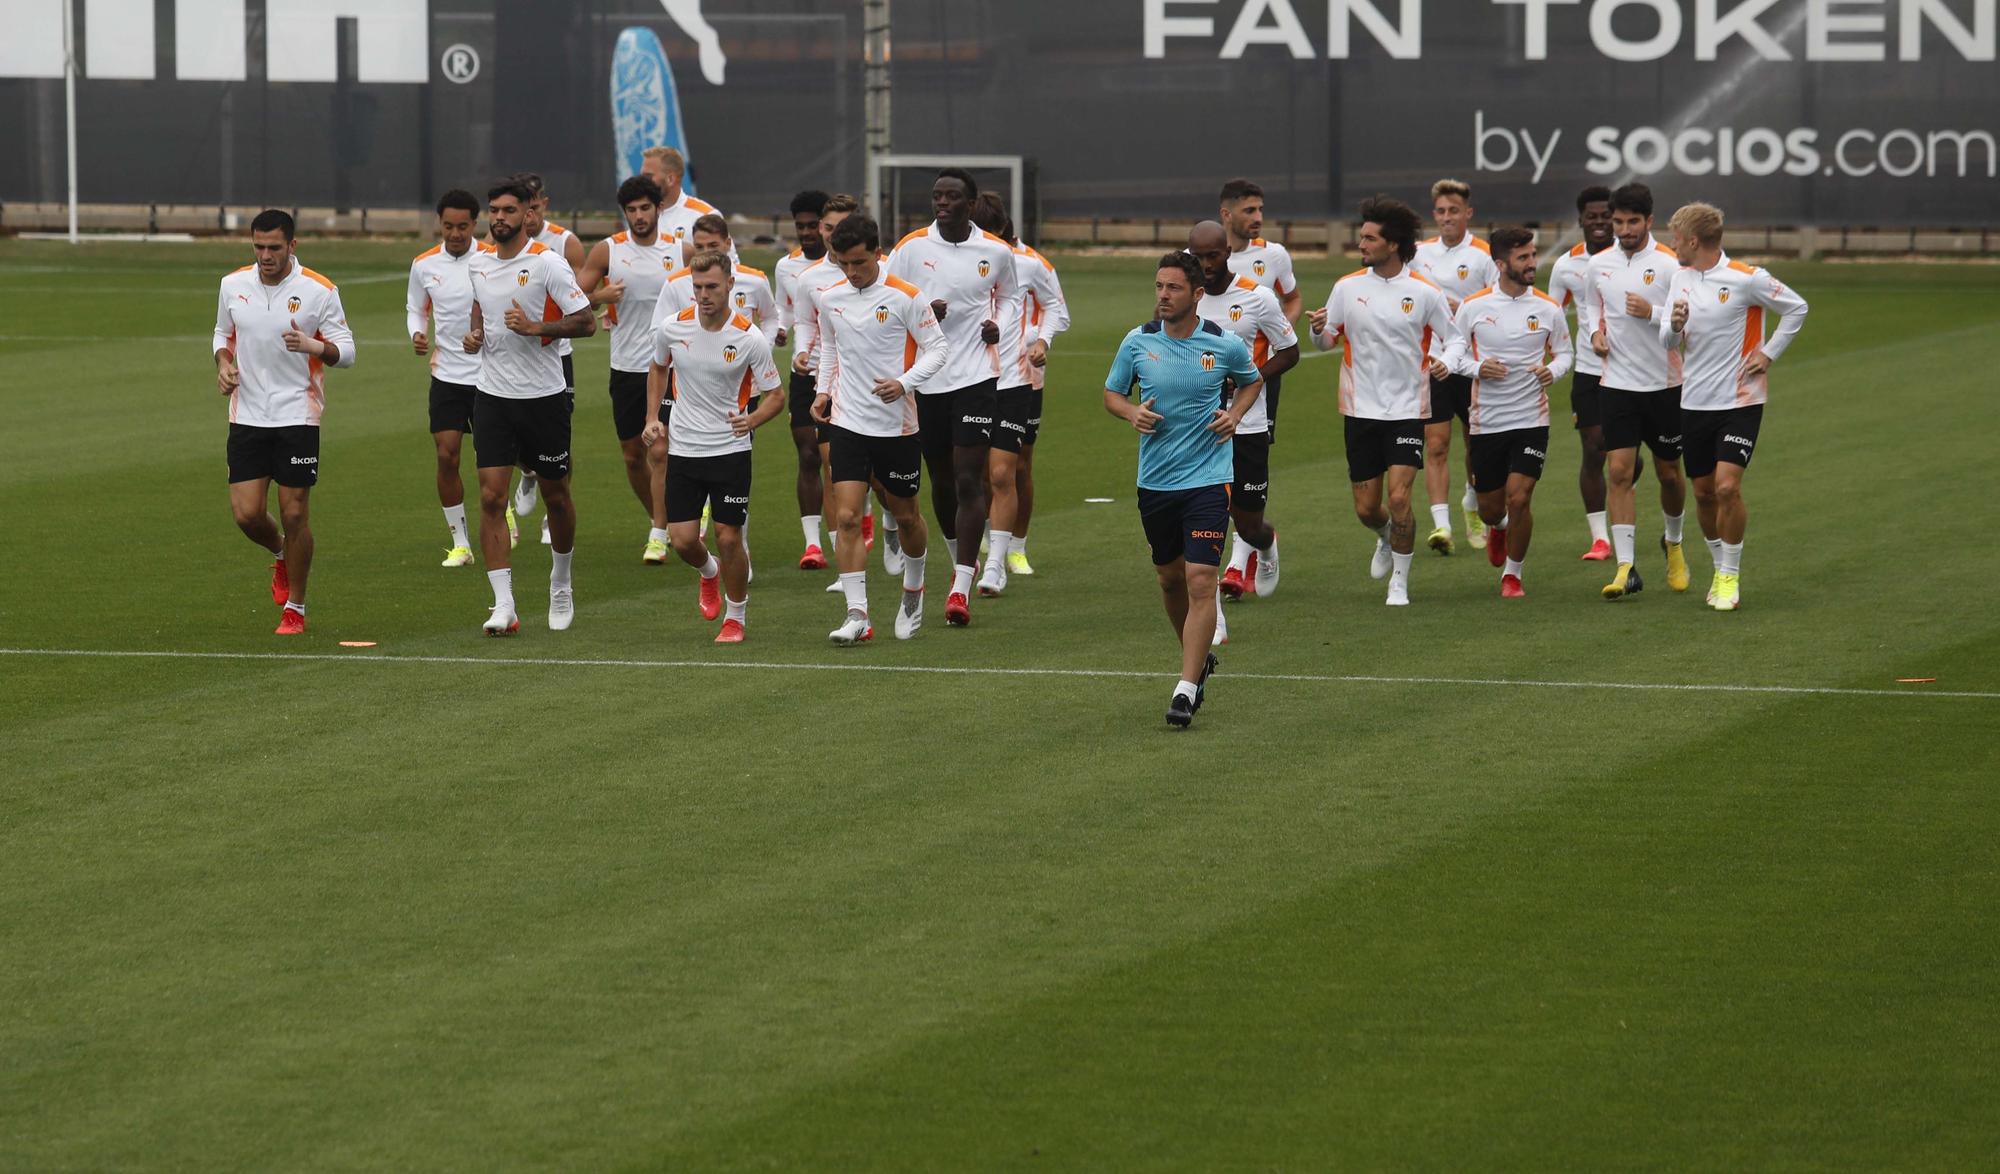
<point x="886" y="175"/>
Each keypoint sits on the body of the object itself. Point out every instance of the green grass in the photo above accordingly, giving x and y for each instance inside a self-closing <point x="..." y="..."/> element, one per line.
<point x="455" y="914"/>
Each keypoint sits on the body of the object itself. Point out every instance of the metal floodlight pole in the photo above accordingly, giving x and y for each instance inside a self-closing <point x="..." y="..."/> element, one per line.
<point x="69" y="105"/>
<point x="875" y="53"/>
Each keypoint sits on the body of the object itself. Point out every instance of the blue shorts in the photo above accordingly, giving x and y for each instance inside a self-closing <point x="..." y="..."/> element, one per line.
<point x="1185" y="523"/>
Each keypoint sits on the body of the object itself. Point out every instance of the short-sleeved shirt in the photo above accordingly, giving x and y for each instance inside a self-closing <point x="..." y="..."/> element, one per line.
<point x="1252" y="313"/>
<point x="522" y="366"/>
<point x="1267" y="263"/>
<point x="643" y="269"/>
<point x="279" y="388"/>
<point x="1184" y="379"/>
<point x="715" y="374"/>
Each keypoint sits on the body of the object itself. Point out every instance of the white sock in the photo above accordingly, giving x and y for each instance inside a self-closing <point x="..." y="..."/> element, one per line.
<point x="711" y="568"/>
<point x="961" y="579"/>
<point x="855" y="584"/>
<point x="1501" y="525"/>
<point x="913" y="572"/>
<point x="1732" y="558"/>
<point x="1597" y="530"/>
<point x="951" y="548"/>
<point x="1622" y="541"/>
<point x="810" y="524"/>
<point x="291" y="605"/>
<point x="1185" y="689"/>
<point x="279" y="553"/>
<point x="1021" y="545"/>
<point x="1381" y="531"/>
<point x="1714" y="551"/>
<point x="732" y="609"/>
<point x="655" y="534"/>
<point x="997" y="546"/>
<point x="559" y="569"/>
<point x="503" y="586"/>
<point x="1470" y="501"/>
<point x="1239" y="554"/>
<point x="1513" y="568"/>
<point x="888" y="520"/>
<point x="832" y="539"/>
<point x="1441" y="515"/>
<point x="1673" y="525"/>
<point x="1401" y="574"/>
<point x="454" y="517"/>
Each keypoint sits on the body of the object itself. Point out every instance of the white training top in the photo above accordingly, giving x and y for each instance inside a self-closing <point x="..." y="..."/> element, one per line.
<point x="886" y="331"/>
<point x="643" y="269"/>
<point x="975" y="279"/>
<point x="1390" y="327"/>
<point x="1460" y="270"/>
<point x="521" y="366"/>
<point x="441" y="292"/>
<point x="556" y="237"/>
<point x="1046" y="311"/>
<point x="749" y="295"/>
<point x="1725" y="323"/>
<point x="1267" y="263"/>
<point x="1523" y="332"/>
<point x="715" y="374"/>
<point x="279" y="388"/>
<point x="785" y="276"/>
<point x="812" y="281"/>
<point x="1638" y="360"/>
<point x="1570" y="287"/>
<point x="1252" y="313"/>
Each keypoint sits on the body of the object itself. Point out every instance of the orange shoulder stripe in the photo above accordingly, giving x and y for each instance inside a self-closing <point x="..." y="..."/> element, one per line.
<point x="739" y="322"/>
<point x="433" y="251"/>
<point x="898" y="284"/>
<point x="316" y="277"/>
<point x="686" y="315"/>
<point x="908" y="237"/>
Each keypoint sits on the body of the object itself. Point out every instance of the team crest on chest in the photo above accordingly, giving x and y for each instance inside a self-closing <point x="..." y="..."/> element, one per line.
<point x="881" y="313"/>
<point x="1647" y="276"/>
<point x="729" y="353"/>
<point x="1236" y="312"/>
<point x="521" y="278"/>
<point x="1257" y="267"/>
<point x="293" y="304"/>
<point x="1534" y="323"/>
<point x="1464" y="271"/>
<point x="985" y="267"/>
<point x="1722" y="295"/>
<point x="742" y="299"/>
<point x="1208" y="360"/>
<point x="1409" y="304"/>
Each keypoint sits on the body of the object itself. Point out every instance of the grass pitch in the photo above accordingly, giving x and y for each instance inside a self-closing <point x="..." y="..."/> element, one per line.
<point x="609" y="898"/>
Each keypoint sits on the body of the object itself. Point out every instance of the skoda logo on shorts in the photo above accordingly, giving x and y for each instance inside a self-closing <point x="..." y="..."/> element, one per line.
<point x="1409" y="304"/>
<point x="1208" y="360"/>
<point x="985" y="267"/>
<point x="1722" y="295"/>
<point x="294" y="304"/>
<point x="1647" y="276"/>
<point x="881" y="313"/>
<point x="729" y="353"/>
<point x="521" y="278"/>
<point x="1236" y="312"/>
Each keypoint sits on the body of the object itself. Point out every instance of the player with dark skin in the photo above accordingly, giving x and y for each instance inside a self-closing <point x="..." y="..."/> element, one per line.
<point x="455" y="227"/>
<point x="1595" y="221"/>
<point x="812" y="486"/>
<point x="959" y="492"/>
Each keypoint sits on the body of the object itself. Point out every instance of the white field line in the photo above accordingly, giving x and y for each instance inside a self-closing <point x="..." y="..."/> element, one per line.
<point x="966" y="671"/>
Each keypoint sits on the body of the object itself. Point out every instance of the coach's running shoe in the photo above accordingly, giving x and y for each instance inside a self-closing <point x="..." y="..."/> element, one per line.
<point x="1180" y="711"/>
<point x="1017" y="563"/>
<point x="1201" y="683"/>
<point x="732" y="632"/>
<point x="513" y="529"/>
<point x="1264" y="568"/>
<point x="709" y="599"/>
<point x="1510" y="587"/>
<point x="1728" y="593"/>
<point x="868" y="530"/>
<point x="1383" y="562"/>
<point x="457" y="556"/>
<point x="1677" y="564"/>
<point x="655" y="552"/>
<point x="1496" y="547"/>
<point x="1440" y="540"/>
<point x="892" y="551"/>
<point x="814" y="559"/>
<point x="957" y="610"/>
<point x="527" y="494"/>
<point x="993" y="580"/>
<point x="1600" y="551"/>
<point x="854" y="631"/>
<point x="910" y="614"/>
<point x="1221" y="636"/>
<point x="1231" y="584"/>
<point x="281" y="582"/>
<point x="502" y="622"/>
<point x="292" y="623"/>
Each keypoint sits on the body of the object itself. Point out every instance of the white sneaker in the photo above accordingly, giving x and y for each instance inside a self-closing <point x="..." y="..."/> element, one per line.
<point x="457" y="556"/>
<point x="545" y="532"/>
<point x="1399" y="594"/>
<point x="527" y="495"/>
<point x="1383" y="562"/>
<point x="854" y="631"/>
<point x="910" y="616"/>
<point x="993" y="580"/>
<point x="1221" y="636"/>
<point x="833" y="587"/>
<point x="1267" y="568"/>
<point x="892" y="550"/>
<point x="502" y="622"/>
<point x="562" y="607"/>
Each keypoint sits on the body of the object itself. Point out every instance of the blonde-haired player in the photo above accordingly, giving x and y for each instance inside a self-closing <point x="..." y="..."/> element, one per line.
<point x="1461" y="265"/>
<point x="1715" y="316"/>
<point x="678" y="210"/>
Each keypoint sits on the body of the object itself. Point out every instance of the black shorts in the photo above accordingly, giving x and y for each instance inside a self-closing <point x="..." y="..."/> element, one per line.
<point x="1010" y="417"/>
<point x="569" y="373"/>
<point x="897" y="462"/>
<point x="1651" y="416"/>
<point x="1713" y="438"/>
<point x="1250" y="485"/>
<point x="1450" y="396"/>
<point x="720" y="483"/>
<point x="803" y="389"/>
<point x="1496" y="455"/>
<point x="1034" y="426"/>
<point x="628" y="404"/>
<point x="451" y="406"/>
<point x="531" y="433"/>
<point x="1185" y="523"/>
<point x="1271" y="388"/>
<point x="957" y="419"/>
<point x="1585" y="408"/>
<point x="1374" y="445"/>
<point x="289" y="455"/>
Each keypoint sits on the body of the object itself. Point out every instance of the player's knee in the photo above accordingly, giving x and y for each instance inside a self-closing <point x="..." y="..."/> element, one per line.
<point x="1728" y="492"/>
<point x="636" y="458"/>
<point x="294" y="517"/>
<point x="970" y="484"/>
<point x="729" y="540"/>
<point x="1399" y="500"/>
<point x="247" y="517"/>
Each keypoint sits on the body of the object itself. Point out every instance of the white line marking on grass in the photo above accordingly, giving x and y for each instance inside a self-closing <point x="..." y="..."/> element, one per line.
<point x="974" y="671"/>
